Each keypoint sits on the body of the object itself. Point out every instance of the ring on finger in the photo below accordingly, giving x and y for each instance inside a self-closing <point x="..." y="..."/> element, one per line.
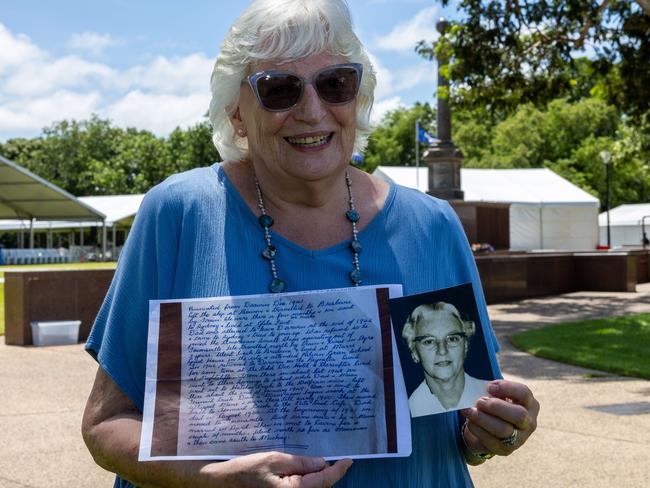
<point x="511" y="439"/>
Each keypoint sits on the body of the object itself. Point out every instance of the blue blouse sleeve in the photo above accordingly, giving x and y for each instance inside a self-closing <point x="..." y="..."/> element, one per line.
<point x="468" y="263"/>
<point x="145" y="271"/>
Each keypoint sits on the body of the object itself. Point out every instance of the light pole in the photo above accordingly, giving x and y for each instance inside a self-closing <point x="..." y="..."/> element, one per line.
<point x="606" y="156"/>
<point x="644" y="239"/>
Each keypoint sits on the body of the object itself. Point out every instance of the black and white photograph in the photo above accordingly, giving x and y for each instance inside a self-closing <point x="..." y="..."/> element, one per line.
<point x="442" y="349"/>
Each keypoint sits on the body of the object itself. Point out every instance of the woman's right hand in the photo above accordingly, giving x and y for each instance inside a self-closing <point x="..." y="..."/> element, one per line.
<point x="273" y="469"/>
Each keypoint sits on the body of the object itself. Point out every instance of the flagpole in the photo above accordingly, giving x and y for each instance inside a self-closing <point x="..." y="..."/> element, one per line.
<point x="417" y="154"/>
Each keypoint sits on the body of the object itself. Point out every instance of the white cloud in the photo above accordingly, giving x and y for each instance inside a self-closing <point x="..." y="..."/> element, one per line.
<point x="47" y="76"/>
<point x="16" y="50"/>
<point x="422" y="73"/>
<point x="393" y="82"/>
<point x="93" y="42"/>
<point x="37" y="88"/>
<point x="32" y="114"/>
<point x="384" y="78"/>
<point x="163" y="75"/>
<point x="405" y="36"/>
<point x="380" y="109"/>
<point x="159" y="113"/>
<point x="175" y="75"/>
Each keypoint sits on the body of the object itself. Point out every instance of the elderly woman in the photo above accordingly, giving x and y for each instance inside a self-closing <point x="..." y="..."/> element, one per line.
<point x="292" y="90"/>
<point x="438" y="339"/>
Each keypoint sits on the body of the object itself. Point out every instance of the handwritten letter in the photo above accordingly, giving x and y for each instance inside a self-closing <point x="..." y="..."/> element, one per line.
<point x="301" y="373"/>
<point x="278" y="373"/>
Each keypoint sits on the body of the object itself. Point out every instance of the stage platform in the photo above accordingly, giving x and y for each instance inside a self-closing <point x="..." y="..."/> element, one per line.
<point x="506" y="276"/>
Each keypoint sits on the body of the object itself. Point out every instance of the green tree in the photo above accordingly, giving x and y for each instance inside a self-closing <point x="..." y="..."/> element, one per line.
<point x="504" y="53"/>
<point x="192" y="147"/>
<point x="630" y="167"/>
<point x="141" y="160"/>
<point x="392" y="142"/>
<point x="631" y="163"/>
<point x="93" y="157"/>
<point x="68" y="151"/>
<point x="532" y="137"/>
<point x="567" y="138"/>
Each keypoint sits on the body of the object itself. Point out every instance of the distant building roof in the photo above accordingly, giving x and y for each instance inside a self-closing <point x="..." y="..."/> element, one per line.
<point x="118" y="209"/>
<point x="537" y="186"/>
<point x="630" y="214"/>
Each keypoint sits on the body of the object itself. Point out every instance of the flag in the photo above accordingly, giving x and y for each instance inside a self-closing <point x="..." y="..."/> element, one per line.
<point x="424" y="136"/>
<point x="357" y="158"/>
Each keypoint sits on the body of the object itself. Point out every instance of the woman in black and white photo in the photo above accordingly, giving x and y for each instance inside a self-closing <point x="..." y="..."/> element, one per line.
<point x="438" y="339"/>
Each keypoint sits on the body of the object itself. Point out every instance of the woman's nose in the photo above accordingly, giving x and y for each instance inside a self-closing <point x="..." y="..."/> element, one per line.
<point x="442" y="348"/>
<point x="311" y="108"/>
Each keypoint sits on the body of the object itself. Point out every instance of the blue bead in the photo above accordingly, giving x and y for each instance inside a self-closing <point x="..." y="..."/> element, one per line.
<point x="269" y="253"/>
<point x="355" y="276"/>
<point x="265" y="220"/>
<point x="277" y="286"/>
<point x="352" y="215"/>
<point x="356" y="246"/>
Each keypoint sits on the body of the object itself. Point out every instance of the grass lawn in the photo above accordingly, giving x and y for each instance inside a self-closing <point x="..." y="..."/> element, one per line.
<point x="36" y="267"/>
<point x="617" y="345"/>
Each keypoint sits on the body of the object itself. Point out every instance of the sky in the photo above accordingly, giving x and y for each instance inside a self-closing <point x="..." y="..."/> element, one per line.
<point x="147" y="63"/>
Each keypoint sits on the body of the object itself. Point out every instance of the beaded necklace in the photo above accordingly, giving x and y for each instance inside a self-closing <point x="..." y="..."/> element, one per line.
<point x="278" y="285"/>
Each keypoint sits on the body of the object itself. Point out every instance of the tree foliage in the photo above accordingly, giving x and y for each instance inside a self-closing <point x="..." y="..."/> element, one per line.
<point x="504" y="53"/>
<point x="392" y="142"/>
<point x="552" y="83"/>
<point x="93" y="157"/>
<point x="566" y="137"/>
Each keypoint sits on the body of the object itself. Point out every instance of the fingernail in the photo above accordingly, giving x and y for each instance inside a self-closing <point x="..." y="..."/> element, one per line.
<point x="493" y="388"/>
<point x="482" y="402"/>
<point x="465" y="412"/>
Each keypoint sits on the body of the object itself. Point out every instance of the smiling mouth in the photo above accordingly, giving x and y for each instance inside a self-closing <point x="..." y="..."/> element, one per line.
<point x="311" y="141"/>
<point x="442" y="364"/>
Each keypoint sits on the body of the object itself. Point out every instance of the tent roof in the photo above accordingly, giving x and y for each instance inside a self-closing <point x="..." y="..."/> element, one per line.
<point x="538" y="186"/>
<point x="28" y="196"/>
<point x="117" y="209"/>
<point x="626" y="215"/>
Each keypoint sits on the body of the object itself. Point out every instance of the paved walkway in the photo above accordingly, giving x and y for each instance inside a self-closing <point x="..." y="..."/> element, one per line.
<point x="593" y="431"/>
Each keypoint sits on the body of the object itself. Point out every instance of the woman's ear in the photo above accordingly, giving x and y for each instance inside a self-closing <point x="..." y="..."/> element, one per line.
<point x="235" y="117"/>
<point x="238" y="123"/>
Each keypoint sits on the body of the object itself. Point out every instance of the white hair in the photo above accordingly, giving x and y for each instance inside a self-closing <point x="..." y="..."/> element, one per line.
<point x="284" y="30"/>
<point x="422" y="313"/>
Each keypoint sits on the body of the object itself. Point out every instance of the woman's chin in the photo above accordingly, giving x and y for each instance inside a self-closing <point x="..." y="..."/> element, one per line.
<point x="446" y="375"/>
<point x="314" y="167"/>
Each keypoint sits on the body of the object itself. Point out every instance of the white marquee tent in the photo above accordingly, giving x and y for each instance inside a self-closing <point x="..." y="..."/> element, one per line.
<point x="119" y="211"/>
<point x="625" y="224"/>
<point x="24" y="195"/>
<point x="546" y="212"/>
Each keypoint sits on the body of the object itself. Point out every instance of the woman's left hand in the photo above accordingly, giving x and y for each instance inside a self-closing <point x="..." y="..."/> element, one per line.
<point x="492" y="422"/>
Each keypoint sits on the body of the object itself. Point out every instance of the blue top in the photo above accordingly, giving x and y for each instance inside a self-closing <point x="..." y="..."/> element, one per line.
<point x="194" y="236"/>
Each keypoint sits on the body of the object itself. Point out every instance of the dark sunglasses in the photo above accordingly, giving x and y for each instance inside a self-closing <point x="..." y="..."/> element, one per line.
<point x="279" y="90"/>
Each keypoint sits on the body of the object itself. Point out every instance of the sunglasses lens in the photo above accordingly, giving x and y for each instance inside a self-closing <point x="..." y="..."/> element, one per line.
<point x="279" y="91"/>
<point x="338" y="84"/>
